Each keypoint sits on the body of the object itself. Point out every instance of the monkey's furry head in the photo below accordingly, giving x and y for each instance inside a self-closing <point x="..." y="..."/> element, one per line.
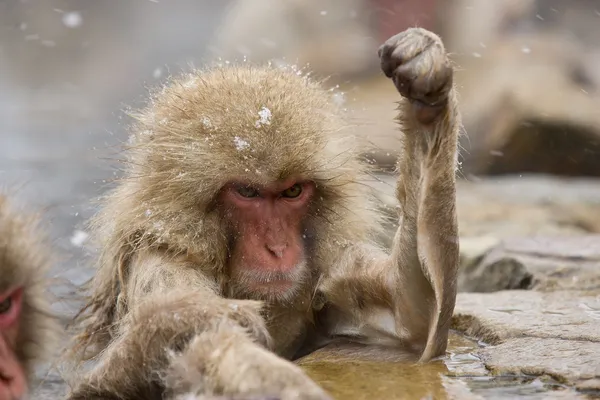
<point x="257" y="124"/>
<point x="24" y="262"/>
<point x="203" y="130"/>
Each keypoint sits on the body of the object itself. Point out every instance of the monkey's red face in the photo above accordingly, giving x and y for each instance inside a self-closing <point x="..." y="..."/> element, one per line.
<point x="12" y="378"/>
<point x="268" y="243"/>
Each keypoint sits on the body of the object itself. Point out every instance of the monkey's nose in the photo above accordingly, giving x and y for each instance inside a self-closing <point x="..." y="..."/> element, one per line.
<point x="277" y="249"/>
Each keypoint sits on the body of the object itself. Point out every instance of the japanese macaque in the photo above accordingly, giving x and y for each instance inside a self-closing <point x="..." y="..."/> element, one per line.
<point x="243" y="233"/>
<point x="27" y="328"/>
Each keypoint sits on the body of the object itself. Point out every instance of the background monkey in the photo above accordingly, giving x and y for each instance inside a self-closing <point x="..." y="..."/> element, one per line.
<point x="27" y="328"/>
<point x="243" y="231"/>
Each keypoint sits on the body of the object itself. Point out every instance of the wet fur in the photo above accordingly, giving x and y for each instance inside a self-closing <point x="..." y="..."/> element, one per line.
<point x="163" y="147"/>
<point x="163" y="304"/>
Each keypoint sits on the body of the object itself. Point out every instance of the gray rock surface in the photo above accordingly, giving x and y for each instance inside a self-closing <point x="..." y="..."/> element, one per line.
<point x="495" y="317"/>
<point x="553" y="334"/>
<point x="543" y="263"/>
<point x="565" y="360"/>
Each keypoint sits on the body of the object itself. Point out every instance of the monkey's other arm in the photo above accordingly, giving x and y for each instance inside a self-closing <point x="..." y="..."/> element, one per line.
<point x="409" y="299"/>
<point x="180" y="337"/>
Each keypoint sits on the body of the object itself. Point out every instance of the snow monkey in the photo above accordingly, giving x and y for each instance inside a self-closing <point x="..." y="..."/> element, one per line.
<point x="243" y="230"/>
<point x="27" y="328"/>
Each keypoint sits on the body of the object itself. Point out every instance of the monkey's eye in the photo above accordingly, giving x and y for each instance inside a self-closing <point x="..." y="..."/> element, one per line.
<point x="247" y="191"/>
<point x="293" y="191"/>
<point x="10" y="306"/>
<point x="5" y="305"/>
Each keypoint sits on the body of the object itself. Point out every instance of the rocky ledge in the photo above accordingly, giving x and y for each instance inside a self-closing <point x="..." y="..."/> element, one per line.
<point x="530" y="280"/>
<point x="550" y="331"/>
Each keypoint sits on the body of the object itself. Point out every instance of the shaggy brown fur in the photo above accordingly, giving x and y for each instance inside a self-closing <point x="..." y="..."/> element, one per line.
<point x="24" y="260"/>
<point x="165" y="315"/>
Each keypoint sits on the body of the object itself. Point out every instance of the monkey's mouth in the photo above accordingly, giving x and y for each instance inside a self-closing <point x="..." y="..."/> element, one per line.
<point x="281" y="285"/>
<point x="271" y="285"/>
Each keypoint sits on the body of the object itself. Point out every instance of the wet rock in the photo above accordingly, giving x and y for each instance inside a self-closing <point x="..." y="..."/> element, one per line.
<point x="589" y="384"/>
<point x="495" y="317"/>
<point x="502" y="274"/>
<point x="473" y="249"/>
<point x="541" y="263"/>
<point x="523" y="387"/>
<point x="554" y="334"/>
<point x="352" y="372"/>
<point x="565" y="360"/>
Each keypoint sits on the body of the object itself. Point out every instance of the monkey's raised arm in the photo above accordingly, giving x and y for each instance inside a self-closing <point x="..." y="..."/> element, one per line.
<point x="419" y="282"/>
<point x="426" y="251"/>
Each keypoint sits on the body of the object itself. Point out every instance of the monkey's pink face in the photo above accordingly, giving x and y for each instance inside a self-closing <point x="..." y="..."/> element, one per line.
<point x="12" y="378"/>
<point x="268" y="257"/>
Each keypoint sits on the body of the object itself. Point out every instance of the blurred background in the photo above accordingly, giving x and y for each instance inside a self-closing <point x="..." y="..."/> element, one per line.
<point x="528" y="73"/>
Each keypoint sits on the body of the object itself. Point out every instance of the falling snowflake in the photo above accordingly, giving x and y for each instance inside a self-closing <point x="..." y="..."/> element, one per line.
<point x="72" y="19"/>
<point x="339" y="99"/>
<point x="78" y="238"/>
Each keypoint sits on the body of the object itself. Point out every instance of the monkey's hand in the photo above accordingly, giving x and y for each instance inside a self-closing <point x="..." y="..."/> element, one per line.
<point x="227" y="363"/>
<point x="417" y="63"/>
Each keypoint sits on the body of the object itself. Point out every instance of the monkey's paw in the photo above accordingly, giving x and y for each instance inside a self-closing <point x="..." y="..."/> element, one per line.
<point x="271" y="376"/>
<point x="417" y="63"/>
<point x="240" y="371"/>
